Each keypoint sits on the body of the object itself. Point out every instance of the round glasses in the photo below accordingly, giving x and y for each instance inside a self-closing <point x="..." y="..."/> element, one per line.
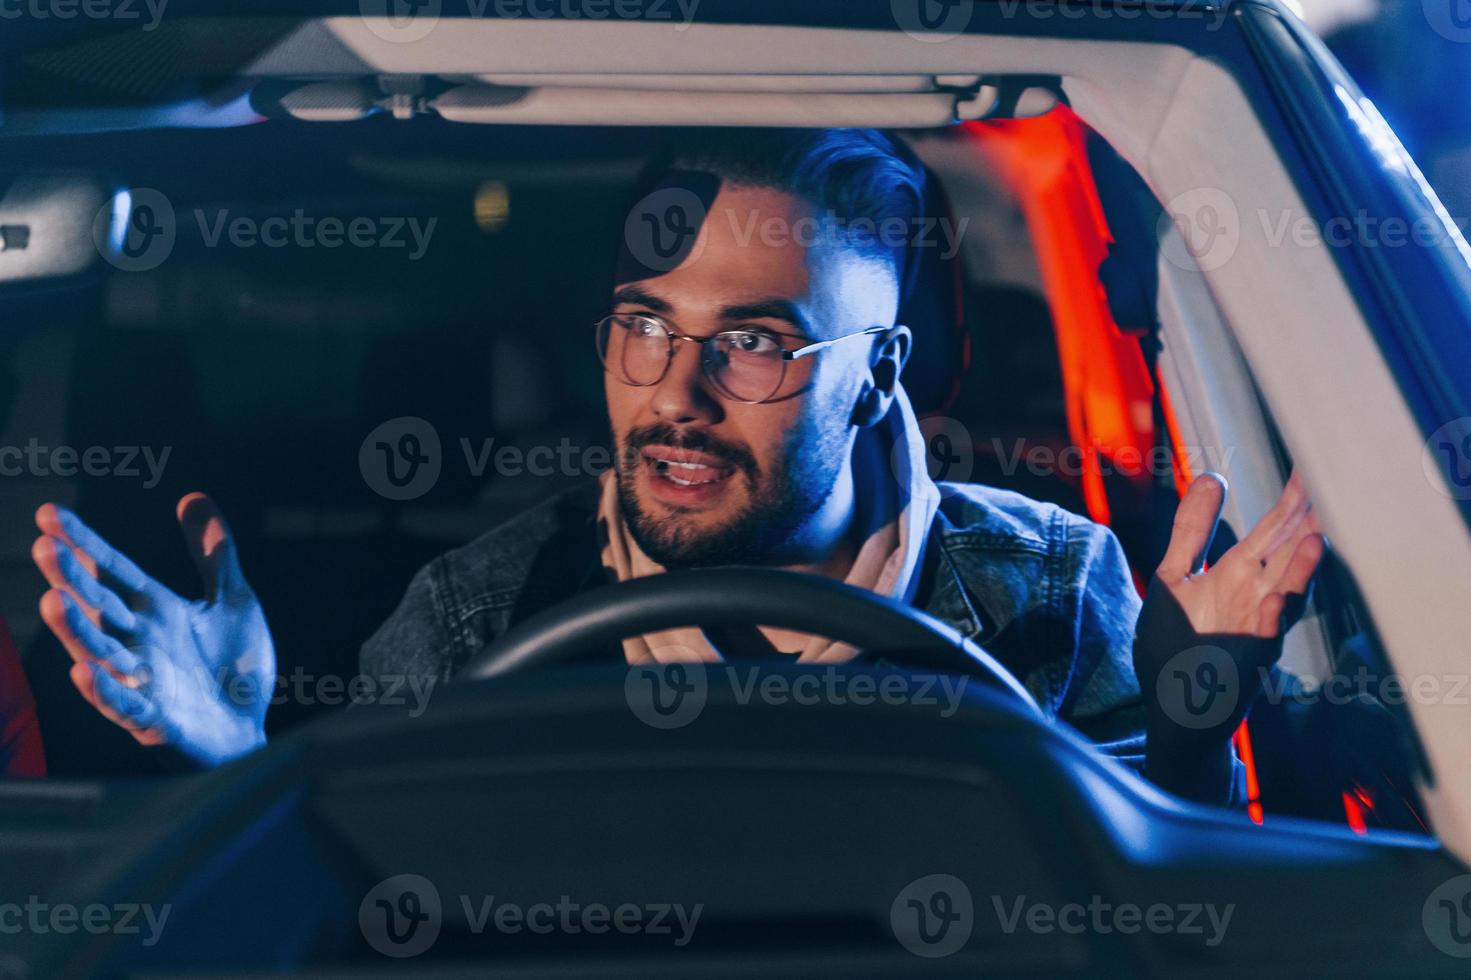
<point x="743" y="365"/>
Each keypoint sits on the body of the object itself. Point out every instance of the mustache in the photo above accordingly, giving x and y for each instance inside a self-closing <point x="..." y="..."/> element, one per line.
<point x="695" y="440"/>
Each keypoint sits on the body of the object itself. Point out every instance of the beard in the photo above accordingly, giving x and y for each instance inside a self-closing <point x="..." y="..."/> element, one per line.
<point x="779" y="503"/>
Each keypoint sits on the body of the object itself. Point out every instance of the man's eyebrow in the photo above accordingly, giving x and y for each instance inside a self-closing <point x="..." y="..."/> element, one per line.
<point x="768" y="309"/>
<point x="637" y="296"/>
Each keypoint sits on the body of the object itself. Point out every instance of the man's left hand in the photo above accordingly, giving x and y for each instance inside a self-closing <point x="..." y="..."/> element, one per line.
<point x="1248" y="590"/>
<point x="1206" y="638"/>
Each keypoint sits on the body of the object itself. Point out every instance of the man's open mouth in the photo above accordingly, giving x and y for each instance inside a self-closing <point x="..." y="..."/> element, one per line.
<point x="686" y="468"/>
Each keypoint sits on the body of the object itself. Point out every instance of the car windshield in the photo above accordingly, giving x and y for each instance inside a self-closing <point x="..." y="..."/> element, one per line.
<point x="372" y="342"/>
<point x="864" y="478"/>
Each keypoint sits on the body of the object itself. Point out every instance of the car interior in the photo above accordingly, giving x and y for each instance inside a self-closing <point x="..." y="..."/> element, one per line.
<point x="260" y="370"/>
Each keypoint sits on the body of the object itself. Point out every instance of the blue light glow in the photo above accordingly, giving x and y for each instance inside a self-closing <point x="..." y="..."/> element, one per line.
<point x="1396" y="159"/>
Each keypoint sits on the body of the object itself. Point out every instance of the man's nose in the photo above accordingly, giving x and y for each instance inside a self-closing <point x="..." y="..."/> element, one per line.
<point x="684" y="395"/>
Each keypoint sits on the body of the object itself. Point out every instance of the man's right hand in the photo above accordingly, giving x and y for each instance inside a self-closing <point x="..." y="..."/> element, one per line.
<point x="195" y="675"/>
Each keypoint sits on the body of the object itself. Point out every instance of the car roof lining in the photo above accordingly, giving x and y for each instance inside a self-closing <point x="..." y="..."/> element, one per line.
<point x="185" y="73"/>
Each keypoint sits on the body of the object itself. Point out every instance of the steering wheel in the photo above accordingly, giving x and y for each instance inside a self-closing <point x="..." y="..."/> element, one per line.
<point x="724" y="597"/>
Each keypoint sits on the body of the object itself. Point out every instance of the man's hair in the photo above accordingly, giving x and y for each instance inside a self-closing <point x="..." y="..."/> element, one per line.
<point x="861" y="177"/>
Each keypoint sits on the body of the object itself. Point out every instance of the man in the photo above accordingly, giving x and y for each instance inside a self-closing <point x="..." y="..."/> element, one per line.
<point x="752" y="381"/>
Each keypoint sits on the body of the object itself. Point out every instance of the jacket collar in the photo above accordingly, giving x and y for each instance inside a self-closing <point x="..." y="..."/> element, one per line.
<point x="942" y="592"/>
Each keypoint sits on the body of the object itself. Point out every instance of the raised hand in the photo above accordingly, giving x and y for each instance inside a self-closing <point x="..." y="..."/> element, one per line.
<point x="1206" y="638"/>
<point x="197" y="675"/>
<point x="1248" y="590"/>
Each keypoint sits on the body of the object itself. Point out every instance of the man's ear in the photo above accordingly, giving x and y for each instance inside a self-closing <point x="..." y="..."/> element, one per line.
<point x="886" y="362"/>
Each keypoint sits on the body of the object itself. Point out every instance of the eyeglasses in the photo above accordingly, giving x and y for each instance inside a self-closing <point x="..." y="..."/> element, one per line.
<point x="743" y="365"/>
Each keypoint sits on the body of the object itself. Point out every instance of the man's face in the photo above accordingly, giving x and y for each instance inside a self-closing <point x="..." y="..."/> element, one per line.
<point x="704" y="479"/>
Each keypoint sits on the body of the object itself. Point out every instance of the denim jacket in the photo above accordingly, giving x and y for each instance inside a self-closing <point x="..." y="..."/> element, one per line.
<point x="1046" y="592"/>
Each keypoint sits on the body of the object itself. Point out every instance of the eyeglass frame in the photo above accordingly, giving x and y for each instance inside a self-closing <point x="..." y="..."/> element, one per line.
<point x="787" y="356"/>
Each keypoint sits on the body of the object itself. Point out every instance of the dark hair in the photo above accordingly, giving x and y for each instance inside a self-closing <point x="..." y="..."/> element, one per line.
<point x="863" y="177"/>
